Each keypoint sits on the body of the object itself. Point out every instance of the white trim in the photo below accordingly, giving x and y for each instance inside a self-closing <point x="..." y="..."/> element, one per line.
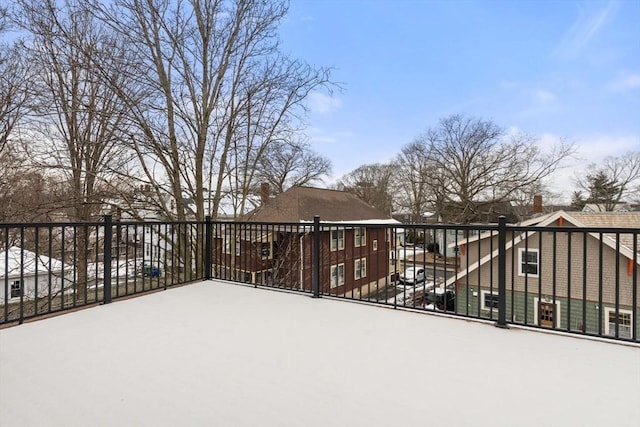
<point x="19" y="285"/>
<point x="607" y="311"/>
<point x="557" y="316"/>
<point x="339" y="245"/>
<point x="541" y="223"/>
<point x="482" y="295"/>
<point x="521" y="263"/>
<point x="363" y="266"/>
<point x="363" y="237"/>
<point x="339" y="282"/>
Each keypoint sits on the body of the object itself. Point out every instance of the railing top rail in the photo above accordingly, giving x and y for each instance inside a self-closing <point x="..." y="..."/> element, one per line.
<point x="50" y="224"/>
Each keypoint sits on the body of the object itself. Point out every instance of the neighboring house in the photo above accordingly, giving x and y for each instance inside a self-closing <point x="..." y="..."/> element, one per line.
<point x="476" y="213"/>
<point x="22" y="272"/>
<point x="276" y="245"/>
<point x="162" y="246"/>
<point x="571" y="281"/>
<point x="486" y="212"/>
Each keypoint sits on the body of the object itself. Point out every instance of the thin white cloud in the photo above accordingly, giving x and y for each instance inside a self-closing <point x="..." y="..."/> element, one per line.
<point x="626" y="82"/>
<point x="589" y="22"/>
<point x="323" y="104"/>
<point x="319" y="136"/>
<point x="541" y="96"/>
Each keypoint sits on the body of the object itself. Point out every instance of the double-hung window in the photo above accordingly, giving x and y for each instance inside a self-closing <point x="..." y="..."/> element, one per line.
<point x="360" y="236"/>
<point x="16" y="288"/>
<point x="529" y="261"/>
<point x="337" y="239"/>
<point x="337" y="275"/>
<point x="360" y="268"/>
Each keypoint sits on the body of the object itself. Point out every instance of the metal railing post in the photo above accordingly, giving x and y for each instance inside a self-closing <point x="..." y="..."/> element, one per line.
<point x="208" y="248"/>
<point x="315" y="262"/>
<point x="502" y="272"/>
<point x="107" y="258"/>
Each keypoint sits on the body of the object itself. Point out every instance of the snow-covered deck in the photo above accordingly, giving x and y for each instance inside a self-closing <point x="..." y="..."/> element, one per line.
<point x="218" y="354"/>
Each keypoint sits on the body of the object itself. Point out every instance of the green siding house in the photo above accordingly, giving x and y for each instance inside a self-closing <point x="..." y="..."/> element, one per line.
<point x="561" y="273"/>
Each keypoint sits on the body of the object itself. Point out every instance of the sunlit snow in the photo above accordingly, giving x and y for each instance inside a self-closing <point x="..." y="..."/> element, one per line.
<point x="217" y="354"/>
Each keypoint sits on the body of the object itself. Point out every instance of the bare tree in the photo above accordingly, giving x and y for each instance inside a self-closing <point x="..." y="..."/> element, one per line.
<point x="614" y="180"/>
<point x="80" y="122"/>
<point x="371" y="183"/>
<point x="4" y="18"/>
<point x="522" y="200"/>
<point x="269" y="118"/>
<point x="25" y="193"/>
<point x="472" y="161"/>
<point x="287" y="164"/>
<point x="409" y="185"/>
<point x="14" y="80"/>
<point x="213" y="92"/>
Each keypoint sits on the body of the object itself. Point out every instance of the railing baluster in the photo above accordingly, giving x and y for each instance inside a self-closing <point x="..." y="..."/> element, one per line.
<point x="502" y="273"/>
<point x="107" y="259"/>
<point x="316" y="257"/>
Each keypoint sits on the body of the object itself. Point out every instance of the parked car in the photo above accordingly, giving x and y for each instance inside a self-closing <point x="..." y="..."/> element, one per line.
<point x="411" y="276"/>
<point x="440" y="299"/>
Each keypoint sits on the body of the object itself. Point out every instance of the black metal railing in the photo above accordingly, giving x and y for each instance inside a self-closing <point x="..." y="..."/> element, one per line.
<point x="48" y="268"/>
<point x="560" y="277"/>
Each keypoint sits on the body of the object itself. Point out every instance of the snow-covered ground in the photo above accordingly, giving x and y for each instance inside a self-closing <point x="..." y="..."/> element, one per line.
<point x="218" y="354"/>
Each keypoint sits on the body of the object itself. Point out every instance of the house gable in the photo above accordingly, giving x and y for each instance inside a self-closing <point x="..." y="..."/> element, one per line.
<point x="565" y="219"/>
<point x="26" y="263"/>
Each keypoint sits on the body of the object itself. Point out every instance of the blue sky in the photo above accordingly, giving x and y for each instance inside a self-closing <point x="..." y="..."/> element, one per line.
<point x="555" y="69"/>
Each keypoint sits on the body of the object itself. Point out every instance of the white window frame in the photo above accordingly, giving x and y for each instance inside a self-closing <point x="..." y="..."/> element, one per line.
<point x="608" y="330"/>
<point x="359" y="237"/>
<point x="16" y="286"/>
<point x="337" y="243"/>
<point x="557" y="316"/>
<point x="483" y="293"/>
<point x="337" y="271"/>
<point x="375" y="245"/>
<point x="521" y="263"/>
<point x="360" y="268"/>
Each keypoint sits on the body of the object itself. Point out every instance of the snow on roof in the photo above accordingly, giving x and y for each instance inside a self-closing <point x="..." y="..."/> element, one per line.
<point x="15" y="259"/>
<point x="385" y="221"/>
<point x="215" y="353"/>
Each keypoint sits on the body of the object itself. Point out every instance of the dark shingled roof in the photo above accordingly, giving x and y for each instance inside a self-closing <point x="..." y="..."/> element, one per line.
<point x="302" y="203"/>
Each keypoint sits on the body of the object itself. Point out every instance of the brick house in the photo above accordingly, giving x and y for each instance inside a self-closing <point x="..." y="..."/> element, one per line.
<point x="273" y="244"/>
<point x="573" y="280"/>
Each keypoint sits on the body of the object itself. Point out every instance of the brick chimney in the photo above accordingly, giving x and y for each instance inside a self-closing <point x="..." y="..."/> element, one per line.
<point x="264" y="192"/>
<point x="537" y="204"/>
